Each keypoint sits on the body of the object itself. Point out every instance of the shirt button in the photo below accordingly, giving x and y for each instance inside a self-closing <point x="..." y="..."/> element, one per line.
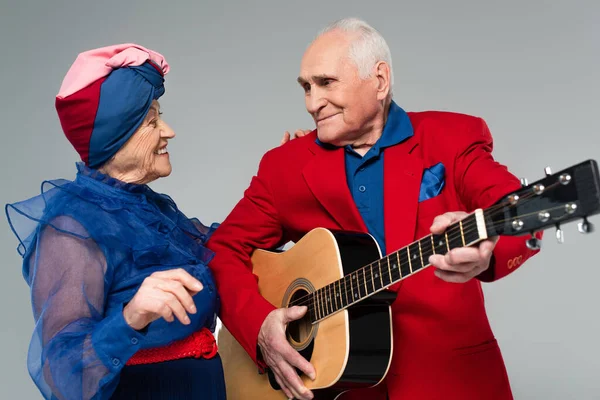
<point x="116" y="362"/>
<point x="362" y="188"/>
<point x="134" y="341"/>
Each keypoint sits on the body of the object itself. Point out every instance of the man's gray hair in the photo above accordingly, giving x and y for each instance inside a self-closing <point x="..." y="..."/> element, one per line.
<point x="367" y="49"/>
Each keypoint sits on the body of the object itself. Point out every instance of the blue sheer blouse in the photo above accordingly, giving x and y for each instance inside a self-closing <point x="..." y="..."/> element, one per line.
<point x="87" y="245"/>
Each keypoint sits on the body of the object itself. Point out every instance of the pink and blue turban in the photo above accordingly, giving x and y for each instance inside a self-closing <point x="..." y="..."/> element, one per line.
<point x="105" y="97"/>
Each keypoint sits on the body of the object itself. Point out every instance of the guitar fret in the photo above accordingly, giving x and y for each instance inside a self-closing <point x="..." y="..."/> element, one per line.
<point x="334" y="302"/>
<point x="404" y="264"/>
<point x="327" y="301"/>
<point x="376" y="276"/>
<point x="440" y="244"/>
<point x="318" y="304"/>
<point x="359" y="285"/>
<point x="352" y="276"/>
<point x="462" y="234"/>
<point x="472" y="233"/>
<point x="432" y="244"/>
<point x="415" y="251"/>
<point x="380" y="273"/>
<point x="409" y="259"/>
<point x="332" y="297"/>
<point x="447" y="244"/>
<point x="427" y="247"/>
<point x="421" y="254"/>
<point x="323" y="303"/>
<point x="455" y="237"/>
<point x="325" y="309"/>
<point x="339" y="296"/>
<point x="346" y="290"/>
<point x="396" y="268"/>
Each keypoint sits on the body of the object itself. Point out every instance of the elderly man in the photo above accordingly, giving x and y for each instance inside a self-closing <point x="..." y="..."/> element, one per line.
<point x="372" y="167"/>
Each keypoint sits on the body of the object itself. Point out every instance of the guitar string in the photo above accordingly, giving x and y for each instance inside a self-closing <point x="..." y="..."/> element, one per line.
<point x="349" y="292"/>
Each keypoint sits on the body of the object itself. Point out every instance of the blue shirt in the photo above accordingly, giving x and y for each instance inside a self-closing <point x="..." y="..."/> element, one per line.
<point x="88" y="245"/>
<point x="364" y="174"/>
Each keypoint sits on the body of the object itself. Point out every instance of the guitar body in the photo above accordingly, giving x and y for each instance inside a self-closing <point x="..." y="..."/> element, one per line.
<point x="351" y="348"/>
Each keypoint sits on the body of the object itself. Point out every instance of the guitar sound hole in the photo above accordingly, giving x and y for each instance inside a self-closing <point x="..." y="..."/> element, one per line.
<point x="299" y="331"/>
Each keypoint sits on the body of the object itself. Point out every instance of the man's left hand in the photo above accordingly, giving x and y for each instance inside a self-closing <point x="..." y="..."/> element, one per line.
<point x="464" y="263"/>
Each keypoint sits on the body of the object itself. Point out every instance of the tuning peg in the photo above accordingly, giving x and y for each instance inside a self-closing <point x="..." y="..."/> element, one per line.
<point x="524" y="182"/>
<point x="560" y="237"/>
<point x="570" y="208"/>
<point x="585" y="226"/>
<point x="517" y="224"/>
<point x="513" y="199"/>
<point x="538" y="189"/>
<point x="533" y="243"/>
<point x="564" y="179"/>
<point x="548" y="171"/>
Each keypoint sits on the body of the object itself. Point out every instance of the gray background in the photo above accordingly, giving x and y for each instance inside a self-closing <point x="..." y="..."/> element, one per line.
<point x="529" y="68"/>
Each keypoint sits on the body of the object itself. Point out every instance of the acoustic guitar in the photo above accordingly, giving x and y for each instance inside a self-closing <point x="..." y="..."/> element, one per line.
<point x="343" y="278"/>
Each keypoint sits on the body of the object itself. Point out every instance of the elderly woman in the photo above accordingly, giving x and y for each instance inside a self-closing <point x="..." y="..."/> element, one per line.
<point x="123" y="301"/>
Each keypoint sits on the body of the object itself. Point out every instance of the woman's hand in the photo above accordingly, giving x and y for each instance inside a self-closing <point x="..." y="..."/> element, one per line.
<point x="166" y="294"/>
<point x="298" y="134"/>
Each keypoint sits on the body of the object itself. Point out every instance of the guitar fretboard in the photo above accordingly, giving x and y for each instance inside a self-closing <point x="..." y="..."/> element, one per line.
<point x="396" y="266"/>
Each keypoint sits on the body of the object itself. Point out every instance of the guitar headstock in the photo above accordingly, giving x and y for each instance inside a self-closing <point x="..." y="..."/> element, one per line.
<point x="565" y="196"/>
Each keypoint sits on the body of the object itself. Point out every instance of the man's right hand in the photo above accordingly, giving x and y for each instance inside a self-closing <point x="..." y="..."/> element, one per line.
<point x="280" y="356"/>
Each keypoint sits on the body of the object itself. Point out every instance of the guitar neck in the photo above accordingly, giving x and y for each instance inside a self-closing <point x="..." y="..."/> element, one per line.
<point x="399" y="265"/>
<point x="558" y="198"/>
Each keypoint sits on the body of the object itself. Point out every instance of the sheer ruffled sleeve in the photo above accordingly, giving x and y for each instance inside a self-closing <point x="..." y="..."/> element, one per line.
<point x="77" y="350"/>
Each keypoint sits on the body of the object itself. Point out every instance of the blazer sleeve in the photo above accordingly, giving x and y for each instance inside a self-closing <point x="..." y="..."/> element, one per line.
<point x="480" y="182"/>
<point x="252" y="224"/>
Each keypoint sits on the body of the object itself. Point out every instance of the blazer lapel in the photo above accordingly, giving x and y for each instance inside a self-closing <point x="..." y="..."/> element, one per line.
<point x="325" y="175"/>
<point x="401" y="186"/>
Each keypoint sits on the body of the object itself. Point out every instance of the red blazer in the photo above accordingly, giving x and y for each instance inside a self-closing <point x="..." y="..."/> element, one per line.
<point x="443" y="344"/>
